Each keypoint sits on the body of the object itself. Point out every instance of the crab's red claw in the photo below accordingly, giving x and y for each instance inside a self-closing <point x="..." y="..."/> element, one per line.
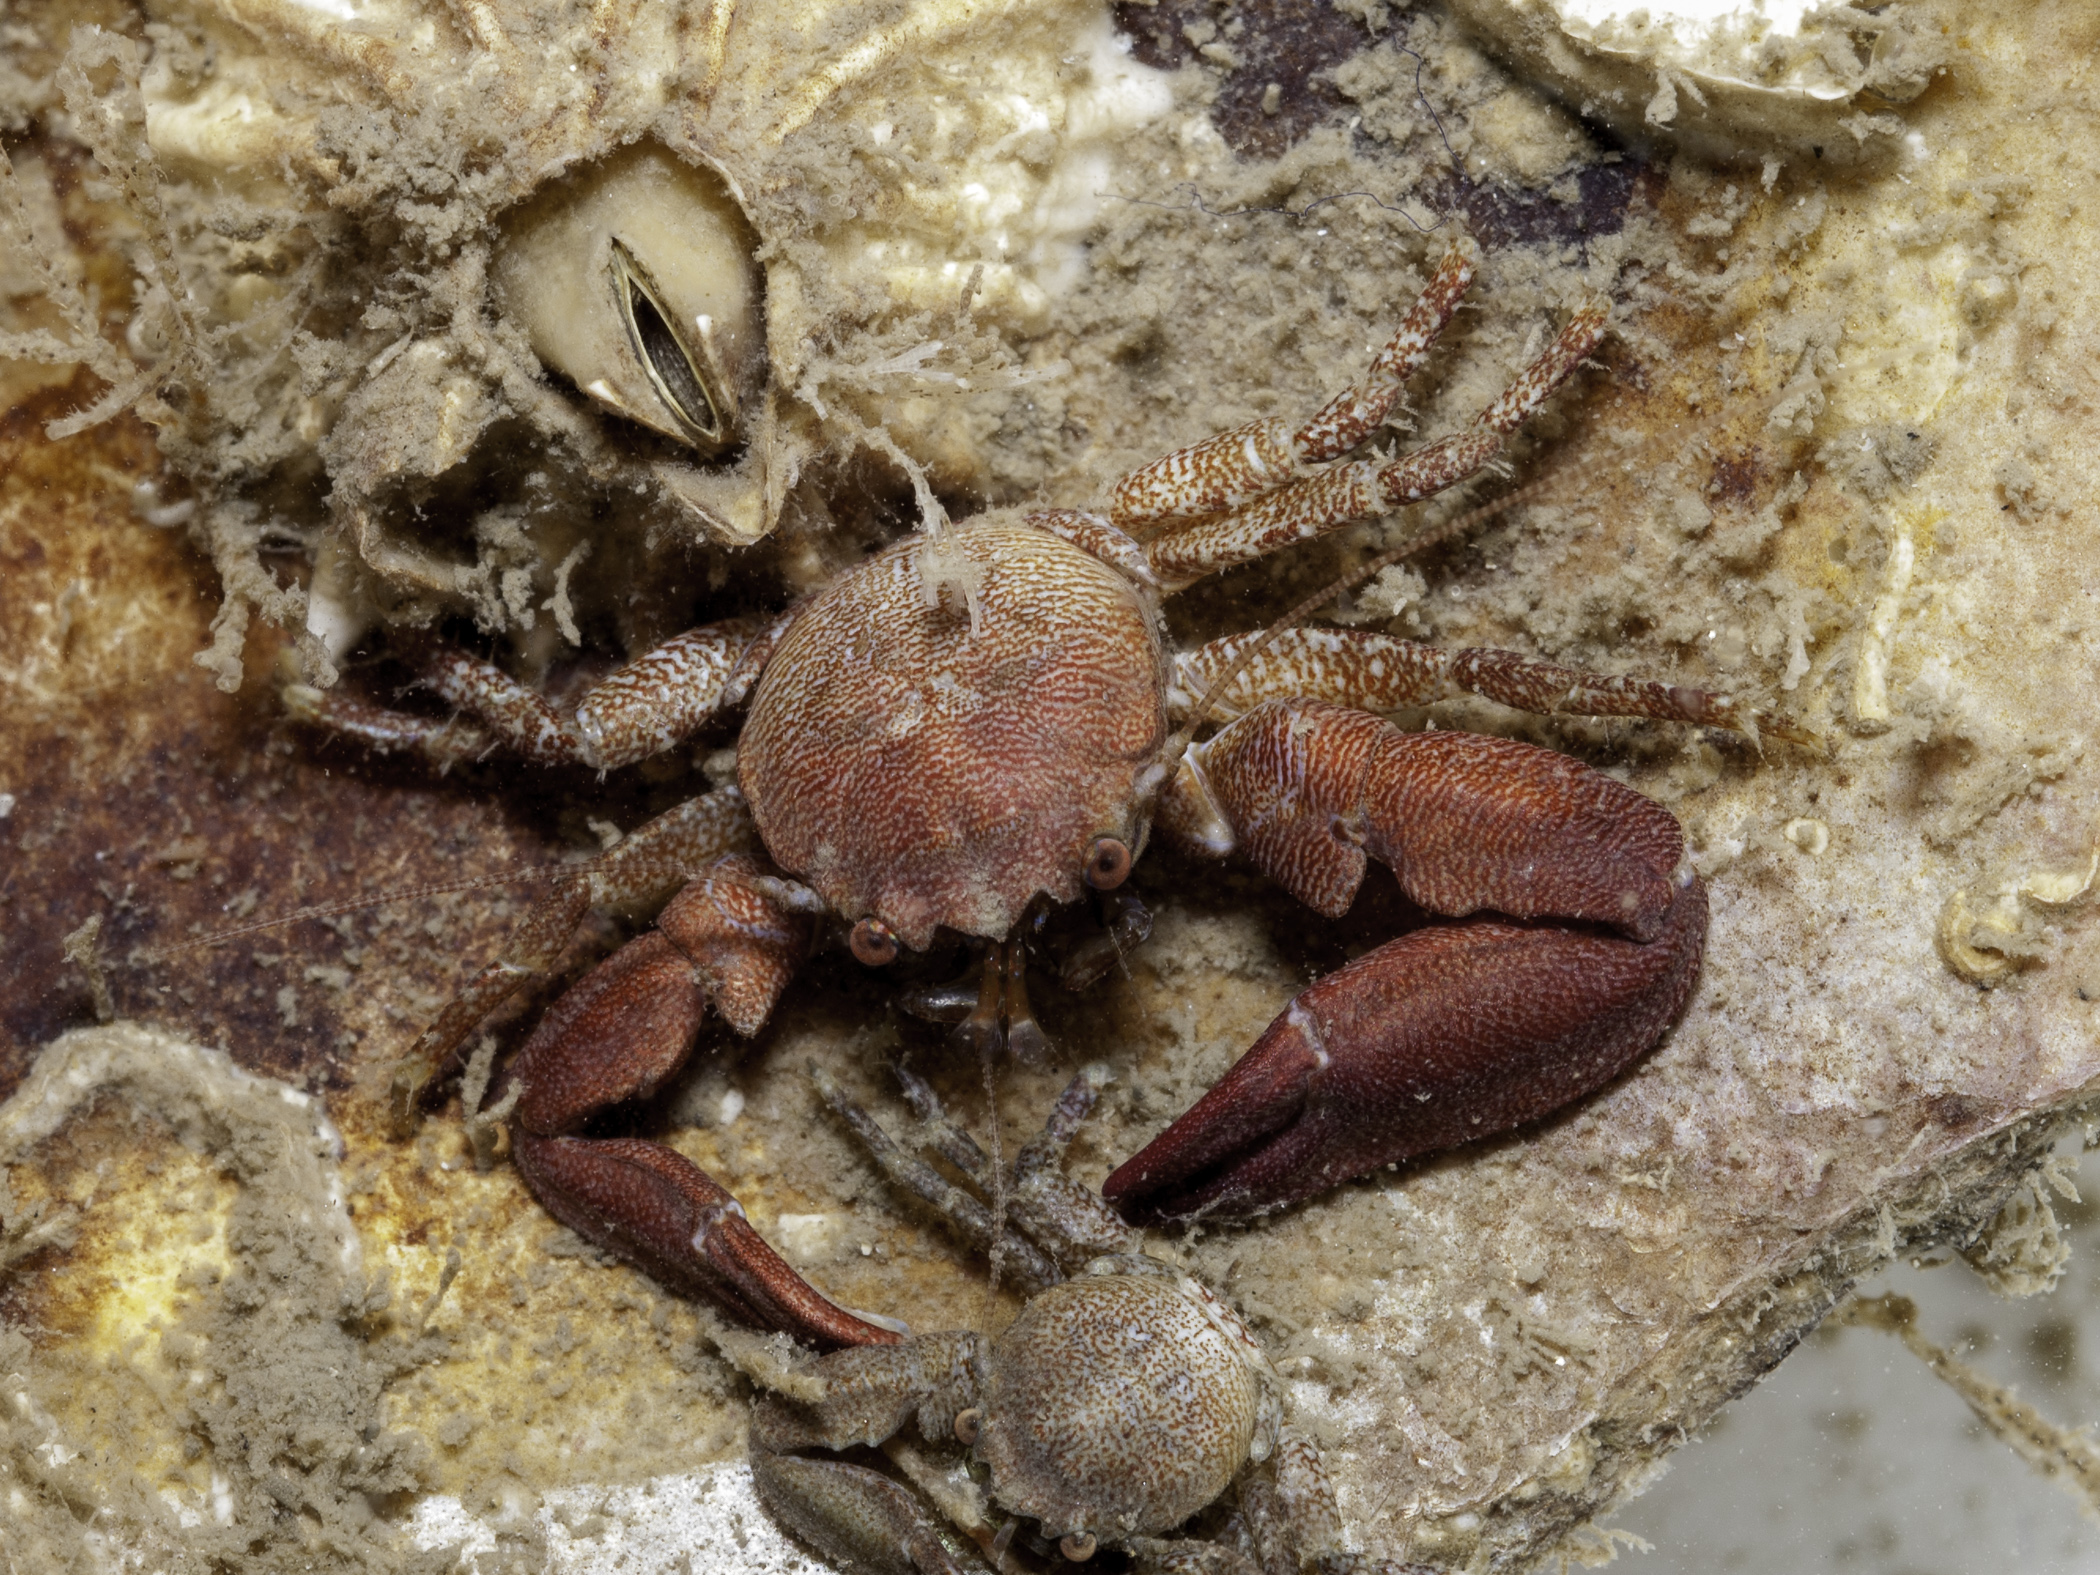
<point x="1446" y="1035"/>
<point x="626" y="1026"/>
<point x="1454" y="1032"/>
<point x="658" y="1210"/>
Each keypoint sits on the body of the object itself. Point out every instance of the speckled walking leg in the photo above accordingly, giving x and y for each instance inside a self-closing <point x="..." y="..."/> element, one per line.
<point x="969" y="1216"/>
<point x="859" y="1518"/>
<point x="1061" y="1224"/>
<point x="661" y="697"/>
<point x="443" y="741"/>
<point x="669" y="693"/>
<point x="1377" y="672"/>
<point x="1070" y="1220"/>
<point x="1222" y="472"/>
<point x="1293" y="1522"/>
<point x="1317" y="504"/>
<point x="658" y="857"/>
<point x="520" y="721"/>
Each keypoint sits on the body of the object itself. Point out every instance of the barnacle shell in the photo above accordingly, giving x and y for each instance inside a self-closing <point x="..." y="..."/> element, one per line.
<point x="602" y="268"/>
<point x="1986" y="941"/>
<point x="671" y="255"/>
<point x="1733" y="86"/>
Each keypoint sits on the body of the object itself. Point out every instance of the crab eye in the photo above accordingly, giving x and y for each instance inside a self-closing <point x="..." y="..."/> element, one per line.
<point x="873" y="944"/>
<point x="691" y="393"/>
<point x="1078" y="1547"/>
<point x="1107" y="863"/>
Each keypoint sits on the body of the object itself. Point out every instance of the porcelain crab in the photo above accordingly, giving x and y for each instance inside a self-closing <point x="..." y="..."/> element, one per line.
<point x="1122" y="1404"/>
<point x="982" y="718"/>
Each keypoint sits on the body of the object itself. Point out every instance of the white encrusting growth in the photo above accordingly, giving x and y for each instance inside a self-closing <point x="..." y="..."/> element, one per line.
<point x="198" y="1091"/>
<point x="1870" y="680"/>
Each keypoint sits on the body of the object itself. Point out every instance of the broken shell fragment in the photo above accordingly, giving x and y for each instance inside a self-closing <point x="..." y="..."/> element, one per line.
<point x="1722" y="81"/>
<point x="634" y="279"/>
<point x="1985" y="944"/>
<point x="1810" y="835"/>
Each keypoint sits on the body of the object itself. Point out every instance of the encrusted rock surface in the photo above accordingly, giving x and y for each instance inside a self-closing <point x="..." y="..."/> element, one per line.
<point x="1836" y="458"/>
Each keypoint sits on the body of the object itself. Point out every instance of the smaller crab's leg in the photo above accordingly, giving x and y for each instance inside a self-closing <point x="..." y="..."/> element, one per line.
<point x="859" y="1518"/>
<point x="947" y="1139"/>
<point x="1342" y="493"/>
<point x="1287" y="1520"/>
<point x="1069" y="1219"/>
<point x="1066" y="1224"/>
<point x="730" y="940"/>
<point x="1222" y="472"/>
<point x="1377" y="672"/>
<point x="1292" y="1521"/>
<point x="970" y="1217"/>
<point x="658" y="857"/>
<point x="664" y="695"/>
<point x="1450" y="1033"/>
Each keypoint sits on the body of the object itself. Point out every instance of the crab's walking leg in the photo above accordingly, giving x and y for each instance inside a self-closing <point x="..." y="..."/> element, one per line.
<point x="443" y="741"/>
<point x="1224" y="471"/>
<point x="660" y="697"/>
<point x="967" y="1214"/>
<point x="1066" y="1225"/>
<point x="1455" y="1031"/>
<point x="730" y="940"/>
<point x="1333" y="497"/>
<point x="860" y="1519"/>
<point x="655" y="859"/>
<point x="1377" y="672"/>
<point x="1293" y="1522"/>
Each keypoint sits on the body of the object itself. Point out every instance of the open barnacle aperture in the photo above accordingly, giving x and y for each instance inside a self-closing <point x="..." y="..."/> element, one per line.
<point x="634" y="281"/>
<point x="687" y="376"/>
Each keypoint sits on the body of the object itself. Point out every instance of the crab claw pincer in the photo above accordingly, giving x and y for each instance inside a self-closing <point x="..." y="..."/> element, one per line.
<point x="1580" y="929"/>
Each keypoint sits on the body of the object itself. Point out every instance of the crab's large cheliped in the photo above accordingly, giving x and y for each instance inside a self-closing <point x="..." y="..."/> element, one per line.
<point x="988" y="716"/>
<point x="634" y="280"/>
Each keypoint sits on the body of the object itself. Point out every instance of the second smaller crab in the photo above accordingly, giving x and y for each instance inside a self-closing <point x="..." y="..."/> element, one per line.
<point x="1126" y="1408"/>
